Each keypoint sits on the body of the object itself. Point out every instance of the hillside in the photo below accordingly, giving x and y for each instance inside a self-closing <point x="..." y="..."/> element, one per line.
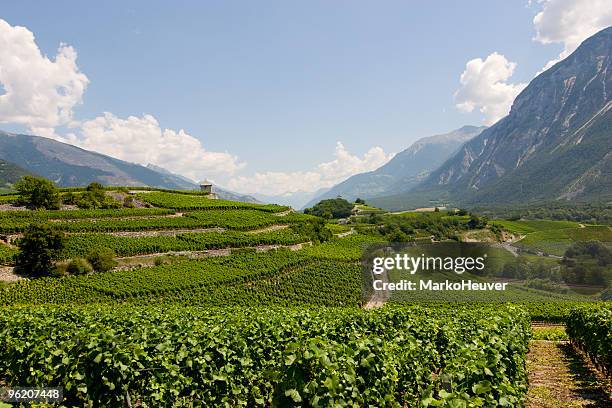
<point x="70" y="166"/>
<point x="10" y="173"/>
<point x="554" y="144"/>
<point x="405" y="170"/>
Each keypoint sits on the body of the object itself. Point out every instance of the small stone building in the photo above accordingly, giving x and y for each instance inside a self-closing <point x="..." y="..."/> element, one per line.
<point x="206" y="186"/>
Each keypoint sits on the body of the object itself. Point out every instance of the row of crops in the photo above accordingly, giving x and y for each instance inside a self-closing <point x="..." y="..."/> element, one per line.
<point x="44" y="215"/>
<point x="104" y="221"/>
<point x="178" y="356"/>
<point x="82" y="244"/>
<point x="179" y="201"/>
<point x="276" y="277"/>
<point x="590" y="329"/>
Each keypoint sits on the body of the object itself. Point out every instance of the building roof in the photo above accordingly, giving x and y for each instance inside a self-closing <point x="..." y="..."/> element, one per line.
<point x="205" y="183"/>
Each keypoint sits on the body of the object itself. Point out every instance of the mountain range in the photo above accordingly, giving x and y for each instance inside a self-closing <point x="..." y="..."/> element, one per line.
<point x="555" y="144"/>
<point x="405" y="170"/>
<point x="69" y="166"/>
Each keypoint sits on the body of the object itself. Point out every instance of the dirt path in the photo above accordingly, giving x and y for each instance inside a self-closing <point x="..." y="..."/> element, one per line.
<point x="378" y="297"/>
<point x="7" y="274"/>
<point x="149" y="259"/>
<point x="560" y="378"/>
<point x="283" y="213"/>
<point x="345" y="234"/>
<point x="267" y="229"/>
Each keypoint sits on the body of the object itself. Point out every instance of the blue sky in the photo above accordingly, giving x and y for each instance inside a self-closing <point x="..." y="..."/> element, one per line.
<point x="277" y="84"/>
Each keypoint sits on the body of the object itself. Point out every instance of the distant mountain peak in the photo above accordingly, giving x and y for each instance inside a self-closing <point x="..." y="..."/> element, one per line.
<point x="554" y="144"/>
<point x="405" y="170"/>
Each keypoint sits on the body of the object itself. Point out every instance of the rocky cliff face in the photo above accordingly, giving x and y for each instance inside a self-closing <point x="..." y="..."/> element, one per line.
<point x="556" y="142"/>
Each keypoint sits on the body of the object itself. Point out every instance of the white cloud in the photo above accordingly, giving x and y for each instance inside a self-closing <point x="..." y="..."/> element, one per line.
<point x="484" y="86"/>
<point x="142" y="140"/>
<point x="323" y="175"/>
<point x="39" y="93"/>
<point x="570" y="22"/>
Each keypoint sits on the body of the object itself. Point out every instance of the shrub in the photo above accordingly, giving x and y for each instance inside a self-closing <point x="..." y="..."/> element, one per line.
<point x="102" y="259"/>
<point x="160" y="260"/>
<point x="79" y="266"/>
<point x="59" y="269"/>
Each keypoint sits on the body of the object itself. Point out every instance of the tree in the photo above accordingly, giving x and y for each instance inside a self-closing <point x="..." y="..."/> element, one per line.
<point x="102" y="259"/>
<point x="38" y="248"/>
<point x="476" y="222"/>
<point x="360" y="201"/>
<point x="95" y="196"/>
<point x="337" y="207"/>
<point x="37" y="192"/>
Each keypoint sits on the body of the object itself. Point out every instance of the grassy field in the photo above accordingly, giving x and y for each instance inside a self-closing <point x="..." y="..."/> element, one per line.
<point x="554" y="237"/>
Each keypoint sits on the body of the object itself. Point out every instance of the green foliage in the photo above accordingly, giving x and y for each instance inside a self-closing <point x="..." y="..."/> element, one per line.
<point x="551" y="333"/>
<point x="588" y="263"/>
<point x="337" y="228"/>
<point x="331" y="208"/>
<point x="43" y="215"/>
<point x="269" y="357"/>
<point x="559" y="311"/>
<point x="422" y="225"/>
<point x="476" y="222"/>
<point x="82" y="244"/>
<point x="148" y="219"/>
<point x="10" y="173"/>
<point x="37" y="192"/>
<point x="102" y="259"/>
<point x="180" y="201"/>
<point x="526" y="227"/>
<point x="590" y="329"/>
<point x="40" y="245"/>
<point x="559" y="210"/>
<point x="553" y="237"/>
<point x="7" y="254"/>
<point x="315" y="229"/>
<point x="79" y="266"/>
<point x="94" y="197"/>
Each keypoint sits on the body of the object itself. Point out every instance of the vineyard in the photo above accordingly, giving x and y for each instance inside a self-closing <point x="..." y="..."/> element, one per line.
<point x="221" y="303"/>
<point x="554" y="237"/>
<point x="282" y="357"/>
<point x="197" y="202"/>
<point x="591" y="330"/>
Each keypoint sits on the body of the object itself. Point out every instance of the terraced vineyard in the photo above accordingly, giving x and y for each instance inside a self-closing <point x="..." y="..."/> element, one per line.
<point x="198" y="202"/>
<point x="554" y="237"/>
<point x="214" y="304"/>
